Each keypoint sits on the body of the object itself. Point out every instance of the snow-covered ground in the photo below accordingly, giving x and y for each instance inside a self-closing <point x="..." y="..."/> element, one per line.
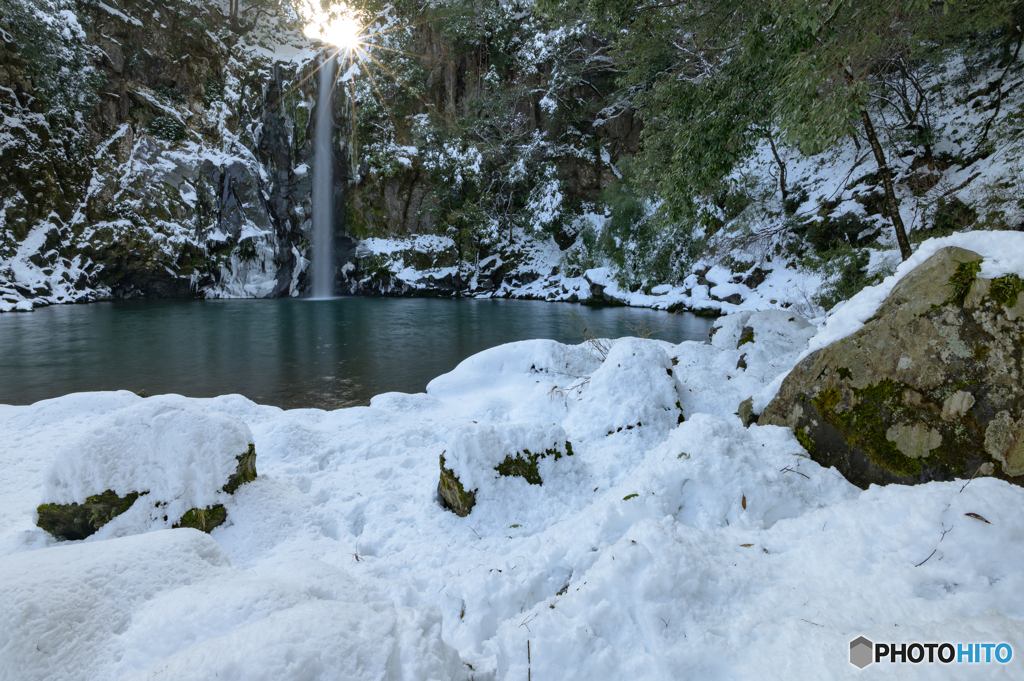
<point x="658" y="549"/>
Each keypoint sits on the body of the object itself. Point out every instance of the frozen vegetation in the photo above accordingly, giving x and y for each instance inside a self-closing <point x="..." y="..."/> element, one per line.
<point x="664" y="541"/>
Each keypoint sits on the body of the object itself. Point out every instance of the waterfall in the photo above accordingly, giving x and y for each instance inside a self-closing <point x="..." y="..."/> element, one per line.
<point x="323" y="185"/>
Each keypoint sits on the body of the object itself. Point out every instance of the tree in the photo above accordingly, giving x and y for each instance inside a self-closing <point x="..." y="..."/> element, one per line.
<point x="257" y="7"/>
<point x="844" y="50"/>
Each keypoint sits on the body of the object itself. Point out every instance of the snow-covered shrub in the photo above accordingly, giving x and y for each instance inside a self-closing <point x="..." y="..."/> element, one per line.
<point x="48" y="35"/>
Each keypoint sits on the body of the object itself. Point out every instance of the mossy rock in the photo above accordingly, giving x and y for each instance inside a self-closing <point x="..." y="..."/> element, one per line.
<point x="245" y="472"/>
<point x="454" y="494"/>
<point x="203" y="519"/>
<point x="78" y="521"/>
<point x="523" y="465"/>
<point x="931" y="388"/>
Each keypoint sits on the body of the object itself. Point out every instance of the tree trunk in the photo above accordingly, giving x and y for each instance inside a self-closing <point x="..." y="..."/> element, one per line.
<point x="782" y="168"/>
<point x="890" y="194"/>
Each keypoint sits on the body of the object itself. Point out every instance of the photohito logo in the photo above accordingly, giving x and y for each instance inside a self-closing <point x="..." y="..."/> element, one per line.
<point x="863" y="652"/>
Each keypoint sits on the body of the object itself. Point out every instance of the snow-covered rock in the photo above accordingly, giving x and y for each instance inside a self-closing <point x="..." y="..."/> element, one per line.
<point x="178" y="456"/>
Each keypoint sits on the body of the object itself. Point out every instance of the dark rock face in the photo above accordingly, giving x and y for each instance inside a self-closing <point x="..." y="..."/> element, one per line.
<point x="930" y="389"/>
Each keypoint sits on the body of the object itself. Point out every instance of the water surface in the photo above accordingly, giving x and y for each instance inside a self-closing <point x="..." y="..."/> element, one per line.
<point x="290" y="353"/>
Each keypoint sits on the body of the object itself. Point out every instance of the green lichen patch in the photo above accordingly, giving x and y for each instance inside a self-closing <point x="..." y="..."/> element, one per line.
<point x="454" y="494"/>
<point x="203" y="519"/>
<point x="246" y="471"/>
<point x="961" y="282"/>
<point x="805" y="440"/>
<point x="747" y="336"/>
<point x="78" y="521"/>
<point x="1005" y="290"/>
<point x="865" y="425"/>
<point x="844" y="373"/>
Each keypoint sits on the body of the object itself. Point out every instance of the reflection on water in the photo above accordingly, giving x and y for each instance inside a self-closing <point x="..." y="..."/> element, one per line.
<point x="290" y="353"/>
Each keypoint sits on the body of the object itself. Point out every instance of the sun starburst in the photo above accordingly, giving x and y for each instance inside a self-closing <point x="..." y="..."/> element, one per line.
<point x="338" y="26"/>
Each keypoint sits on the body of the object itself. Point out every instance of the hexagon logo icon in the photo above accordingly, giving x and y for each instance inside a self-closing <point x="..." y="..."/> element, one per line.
<point x="862" y="652"/>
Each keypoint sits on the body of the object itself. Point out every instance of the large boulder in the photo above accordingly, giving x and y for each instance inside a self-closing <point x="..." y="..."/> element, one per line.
<point x="161" y="462"/>
<point x="929" y="389"/>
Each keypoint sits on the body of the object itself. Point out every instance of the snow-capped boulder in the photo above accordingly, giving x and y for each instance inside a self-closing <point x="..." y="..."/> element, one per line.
<point x="182" y="459"/>
<point x="478" y="455"/>
<point x="634" y="388"/>
<point x="929" y="389"/>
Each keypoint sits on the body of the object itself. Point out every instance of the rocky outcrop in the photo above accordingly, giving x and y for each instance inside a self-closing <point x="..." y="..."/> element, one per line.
<point x="931" y="388"/>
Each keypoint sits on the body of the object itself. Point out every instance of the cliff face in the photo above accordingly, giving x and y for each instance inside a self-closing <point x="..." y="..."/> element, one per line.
<point x="159" y="149"/>
<point x="154" y="176"/>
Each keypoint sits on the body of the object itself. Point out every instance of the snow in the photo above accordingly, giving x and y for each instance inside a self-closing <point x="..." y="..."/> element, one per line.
<point x="1002" y="253"/>
<point x="659" y="549"/>
<point x="176" y="451"/>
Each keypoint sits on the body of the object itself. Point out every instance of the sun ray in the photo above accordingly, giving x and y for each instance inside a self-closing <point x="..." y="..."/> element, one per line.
<point x="396" y="78"/>
<point x="383" y="100"/>
<point x="412" y="54"/>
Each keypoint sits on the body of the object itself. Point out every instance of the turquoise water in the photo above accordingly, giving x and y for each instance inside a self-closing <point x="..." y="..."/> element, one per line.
<point x="290" y="353"/>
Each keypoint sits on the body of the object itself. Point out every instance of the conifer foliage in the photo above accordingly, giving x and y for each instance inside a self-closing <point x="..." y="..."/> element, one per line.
<point x="712" y="79"/>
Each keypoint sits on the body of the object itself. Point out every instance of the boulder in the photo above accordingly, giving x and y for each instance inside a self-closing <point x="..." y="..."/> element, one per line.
<point x="158" y="462"/>
<point x="78" y="521"/>
<point x="479" y="454"/>
<point x="929" y="389"/>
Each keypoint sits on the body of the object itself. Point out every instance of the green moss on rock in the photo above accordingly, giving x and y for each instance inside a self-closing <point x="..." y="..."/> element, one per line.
<point x="1005" y="290"/>
<point x="203" y="519"/>
<point x="246" y="471"/>
<point x="460" y="501"/>
<point x="961" y="282"/>
<point x="805" y="440"/>
<point x="866" y="424"/>
<point x="526" y="467"/>
<point x="78" y="521"/>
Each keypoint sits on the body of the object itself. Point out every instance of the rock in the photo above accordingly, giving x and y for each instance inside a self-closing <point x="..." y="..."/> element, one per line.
<point x="246" y="471"/>
<point x="180" y="458"/>
<point x="755" y="278"/>
<point x="455" y="496"/>
<point x="746" y="412"/>
<point x="478" y="455"/>
<point x="78" y="521"/>
<point x="733" y="298"/>
<point x="929" y="389"/>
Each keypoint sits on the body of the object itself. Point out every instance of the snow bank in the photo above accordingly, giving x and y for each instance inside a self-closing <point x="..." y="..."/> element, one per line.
<point x="135" y="608"/>
<point x="669" y="550"/>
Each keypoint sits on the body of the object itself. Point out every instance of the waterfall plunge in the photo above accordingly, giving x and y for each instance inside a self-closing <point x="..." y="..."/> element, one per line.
<point x="323" y="185"/>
